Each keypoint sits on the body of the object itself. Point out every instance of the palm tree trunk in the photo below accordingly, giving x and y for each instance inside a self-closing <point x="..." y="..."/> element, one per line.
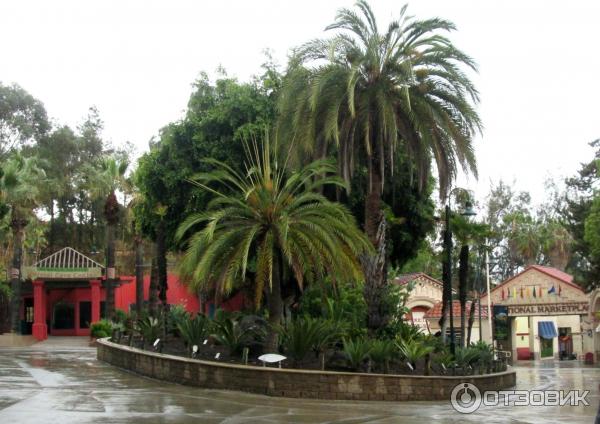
<point x="375" y="266"/>
<point x="275" y="307"/>
<point x="463" y="274"/>
<point x="471" y="320"/>
<point x="111" y="212"/>
<point x="139" y="275"/>
<point x="152" y="296"/>
<point x="18" y="227"/>
<point x="161" y="263"/>
<point x="110" y="271"/>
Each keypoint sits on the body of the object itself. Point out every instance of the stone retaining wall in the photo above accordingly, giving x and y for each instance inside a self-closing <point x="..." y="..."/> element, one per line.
<point x="291" y="382"/>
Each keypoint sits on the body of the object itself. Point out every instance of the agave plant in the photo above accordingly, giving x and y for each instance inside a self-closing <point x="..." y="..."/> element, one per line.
<point x="381" y="353"/>
<point x="149" y="329"/>
<point x="407" y="332"/>
<point x="413" y="350"/>
<point x="486" y="355"/>
<point x="356" y="352"/>
<point x="466" y="356"/>
<point x="193" y="330"/>
<point x="230" y="333"/>
<point x="300" y="336"/>
<point x="444" y="359"/>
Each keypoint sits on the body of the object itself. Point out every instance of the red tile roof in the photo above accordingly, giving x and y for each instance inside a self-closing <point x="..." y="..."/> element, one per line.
<point x="553" y="272"/>
<point x="436" y="311"/>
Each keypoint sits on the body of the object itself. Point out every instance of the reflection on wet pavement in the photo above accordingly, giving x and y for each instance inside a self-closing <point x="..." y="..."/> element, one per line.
<point x="62" y="382"/>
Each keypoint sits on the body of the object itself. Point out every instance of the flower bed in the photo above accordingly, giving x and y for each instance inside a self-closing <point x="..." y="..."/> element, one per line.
<point x="295" y="383"/>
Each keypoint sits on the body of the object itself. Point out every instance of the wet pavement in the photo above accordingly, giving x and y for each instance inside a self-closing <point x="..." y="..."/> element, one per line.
<point x="60" y="381"/>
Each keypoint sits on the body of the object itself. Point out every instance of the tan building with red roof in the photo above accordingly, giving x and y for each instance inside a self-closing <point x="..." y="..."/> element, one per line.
<point x="427" y="291"/>
<point x="541" y="313"/>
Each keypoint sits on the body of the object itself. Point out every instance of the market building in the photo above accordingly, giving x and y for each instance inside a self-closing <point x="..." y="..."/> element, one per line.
<point x="479" y="327"/>
<point x="541" y="313"/>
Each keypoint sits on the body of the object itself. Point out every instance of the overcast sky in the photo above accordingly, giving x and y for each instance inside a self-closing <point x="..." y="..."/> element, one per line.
<point x="539" y="66"/>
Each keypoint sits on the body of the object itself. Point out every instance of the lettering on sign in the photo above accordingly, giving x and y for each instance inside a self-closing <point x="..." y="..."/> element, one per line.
<point x="579" y="308"/>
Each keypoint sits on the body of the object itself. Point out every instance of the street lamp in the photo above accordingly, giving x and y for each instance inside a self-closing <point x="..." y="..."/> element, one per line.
<point x="447" y="269"/>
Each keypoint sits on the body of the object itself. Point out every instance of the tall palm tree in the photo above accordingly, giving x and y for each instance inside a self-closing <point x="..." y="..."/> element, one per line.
<point x="20" y="190"/>
<point x="104" y="183"/>
<point x="363" y="95"/>
<point x="277" y="221"/>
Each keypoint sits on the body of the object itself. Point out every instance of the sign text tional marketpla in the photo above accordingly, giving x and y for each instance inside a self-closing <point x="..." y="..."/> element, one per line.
<point x="575" y="308"/>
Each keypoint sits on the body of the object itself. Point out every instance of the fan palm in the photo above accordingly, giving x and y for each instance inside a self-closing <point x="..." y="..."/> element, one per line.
<point x="104" y="183"/>
<point x="20" y="191"/>
<point x="277" y="221"/>
<point x="367" y="96"/>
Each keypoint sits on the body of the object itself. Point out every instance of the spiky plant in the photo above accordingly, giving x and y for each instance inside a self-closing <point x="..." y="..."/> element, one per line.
<point x="366" y="95"/>
<point x="356" y="351"/>
<point x="413" y="350"/>
<point x="277" y="220"/>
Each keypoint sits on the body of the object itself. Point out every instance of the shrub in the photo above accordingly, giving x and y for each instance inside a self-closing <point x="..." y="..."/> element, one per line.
<point x="486" y="355"/>
<point x="194" y="330"/>
<point x="120" y="316"/>
<point x="304" y="334"/>
<point x="177" y="314"/>
<point x="100" y="329"/>
<point x="381" y="353"/>
<point x="466" y="356"/>
<point x="356" y="352"/>
<point x="299" y="337"/>
<point x="444" y="358"/>
<point x="149" y="329"/>
<point x="343" y="303"/>
<point x="413" y="350"/>
<point x="230" y="333"/>
<point x="400" y="330"/>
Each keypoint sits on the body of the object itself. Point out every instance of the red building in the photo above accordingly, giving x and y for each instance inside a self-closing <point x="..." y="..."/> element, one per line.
<point x="65" y="292"/>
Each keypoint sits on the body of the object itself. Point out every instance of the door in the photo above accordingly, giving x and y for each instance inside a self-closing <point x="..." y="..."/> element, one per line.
<point x="63" y="316"/>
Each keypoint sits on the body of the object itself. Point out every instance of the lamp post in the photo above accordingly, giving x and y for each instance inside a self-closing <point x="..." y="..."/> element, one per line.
<point x="447" y="269"/>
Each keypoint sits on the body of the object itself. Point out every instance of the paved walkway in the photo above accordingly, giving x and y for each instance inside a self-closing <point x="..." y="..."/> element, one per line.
<point x="60" y="381"/>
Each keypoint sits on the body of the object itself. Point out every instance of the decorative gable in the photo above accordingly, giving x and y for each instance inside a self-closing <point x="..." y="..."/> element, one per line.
<point x="66" y="264"/>
<point x="541" y="291"/>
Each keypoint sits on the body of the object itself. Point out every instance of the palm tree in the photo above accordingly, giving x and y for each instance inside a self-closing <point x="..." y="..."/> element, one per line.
<point x="104" y="183"/>
<point x="19" y="187"/>
<point x="278" y="222"/>
<point x="366" y="96"/>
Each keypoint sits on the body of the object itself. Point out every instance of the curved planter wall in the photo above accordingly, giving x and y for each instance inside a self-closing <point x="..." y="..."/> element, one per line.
<point x="292" y="382"/>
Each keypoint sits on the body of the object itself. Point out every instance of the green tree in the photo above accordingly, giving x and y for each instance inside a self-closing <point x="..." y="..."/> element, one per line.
<point x="20" y="191"/>
<point x="279" y="222"/>
<point x="23" y="119"/>
<point x="363" y="95"/>
<point x="581" y="195"/>
<point x="219" y="115"/>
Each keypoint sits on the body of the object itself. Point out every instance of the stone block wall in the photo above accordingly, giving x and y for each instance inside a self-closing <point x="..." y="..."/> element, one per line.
<point x="291" y="382"/>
